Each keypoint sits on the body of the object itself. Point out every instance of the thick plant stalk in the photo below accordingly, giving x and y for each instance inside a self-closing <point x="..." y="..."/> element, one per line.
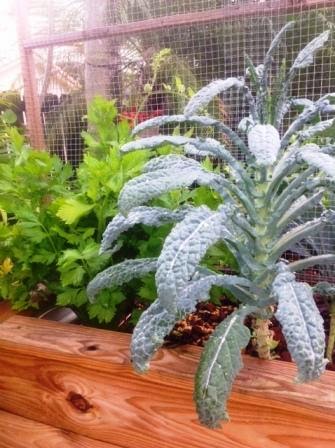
<point x="263" y="338"/>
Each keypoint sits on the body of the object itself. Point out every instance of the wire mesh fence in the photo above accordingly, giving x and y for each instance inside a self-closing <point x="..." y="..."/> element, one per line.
<point x="152" y="55"/>
<point x="121" y="67"/>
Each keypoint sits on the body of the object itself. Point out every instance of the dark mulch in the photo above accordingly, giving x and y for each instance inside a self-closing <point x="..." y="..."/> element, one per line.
<point x="198" y="326"/>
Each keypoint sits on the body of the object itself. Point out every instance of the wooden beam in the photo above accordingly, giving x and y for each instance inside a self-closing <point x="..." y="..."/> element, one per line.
<point x="19" y="432"/>
<point x="32" y="102"/>
<point x="80" y="380"/>
<point x="227" y="13"/>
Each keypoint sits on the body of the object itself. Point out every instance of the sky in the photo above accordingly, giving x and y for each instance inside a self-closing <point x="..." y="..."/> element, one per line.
<point x="9" y="53"/>
<point x="7" y="29"/>
<point x="8" y="45"/>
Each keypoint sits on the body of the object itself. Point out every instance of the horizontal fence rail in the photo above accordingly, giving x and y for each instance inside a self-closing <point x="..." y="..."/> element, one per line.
<point x="210" y="16"/>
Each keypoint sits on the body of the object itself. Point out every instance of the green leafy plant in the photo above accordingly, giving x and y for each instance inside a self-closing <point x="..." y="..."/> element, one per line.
<point x="7" y="119"/>
<point x="140" y="97"/>
<point x="167" y="82"/>
<point x="29" y="235"/>
<point x="283" y="177"/>
<point x="318" y="245"/>
<point x="105" y="130"/>
<point x="52" y="219"/>
<point x="89" y="205"/>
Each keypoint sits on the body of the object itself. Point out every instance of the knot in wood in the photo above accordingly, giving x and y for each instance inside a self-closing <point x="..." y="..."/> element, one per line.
<point x="79" y="402"/>
<point x="92" y="347"/>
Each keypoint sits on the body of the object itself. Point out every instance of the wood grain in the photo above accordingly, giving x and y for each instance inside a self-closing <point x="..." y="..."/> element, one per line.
<point x="19" y="432"/>
<point x="80" y="379"/>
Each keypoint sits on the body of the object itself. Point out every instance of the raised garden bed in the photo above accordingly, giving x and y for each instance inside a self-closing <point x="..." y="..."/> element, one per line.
<point x="5" y="311"/>
<point x="78" y="384"/>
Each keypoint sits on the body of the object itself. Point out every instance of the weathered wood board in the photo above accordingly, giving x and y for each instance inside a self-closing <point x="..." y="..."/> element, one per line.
<point x="80" y="381"/>
<point x="20" y="432"/>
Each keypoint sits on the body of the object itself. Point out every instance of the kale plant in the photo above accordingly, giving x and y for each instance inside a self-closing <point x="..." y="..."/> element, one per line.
<point x="283" y="177"/>
<point x="320" y="244"/>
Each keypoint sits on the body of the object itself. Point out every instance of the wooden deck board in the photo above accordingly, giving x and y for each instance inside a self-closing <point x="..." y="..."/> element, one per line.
<point x="80" y="379"/>
<point x="19" y="432"/>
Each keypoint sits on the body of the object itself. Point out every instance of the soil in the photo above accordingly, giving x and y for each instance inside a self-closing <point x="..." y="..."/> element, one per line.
<point x="198" y="326"/>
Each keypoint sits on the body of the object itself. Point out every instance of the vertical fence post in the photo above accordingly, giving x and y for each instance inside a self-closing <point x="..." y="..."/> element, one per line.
<point x="32" y="104"/>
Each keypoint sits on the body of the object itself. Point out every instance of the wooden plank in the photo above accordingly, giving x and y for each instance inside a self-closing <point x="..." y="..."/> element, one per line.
<point x="80" y="379"/>
<point x="102" y="350"/>
<point x="19" y="432"/>
<point x="227" y="13"/>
